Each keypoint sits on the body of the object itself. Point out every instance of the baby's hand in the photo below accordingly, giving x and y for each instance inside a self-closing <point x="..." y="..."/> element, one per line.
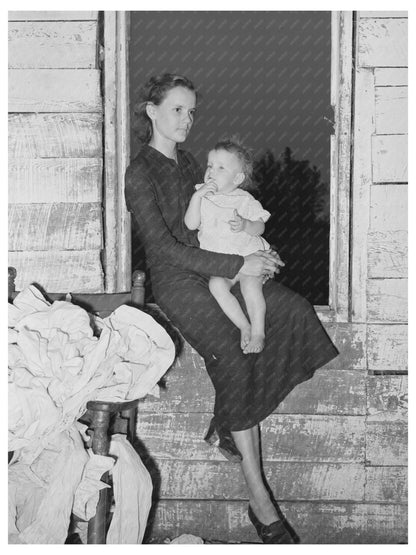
<point x="206" y="189"/>
<point x="238" y="223"/>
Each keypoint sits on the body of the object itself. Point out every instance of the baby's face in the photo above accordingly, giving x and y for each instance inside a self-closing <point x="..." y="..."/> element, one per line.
<point x="224" y="169"/>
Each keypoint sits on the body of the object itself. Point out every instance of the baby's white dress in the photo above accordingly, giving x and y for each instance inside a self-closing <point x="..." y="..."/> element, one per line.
<point x="215" y="232"/>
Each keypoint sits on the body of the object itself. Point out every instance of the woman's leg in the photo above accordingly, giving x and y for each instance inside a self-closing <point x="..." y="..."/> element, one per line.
<point x="252" y="291"/>
<point x="220" y="290"/>
<point x="247" y="442"/>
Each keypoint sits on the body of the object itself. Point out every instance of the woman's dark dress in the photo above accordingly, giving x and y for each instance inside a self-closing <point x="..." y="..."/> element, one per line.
<point x="248" y="387"/>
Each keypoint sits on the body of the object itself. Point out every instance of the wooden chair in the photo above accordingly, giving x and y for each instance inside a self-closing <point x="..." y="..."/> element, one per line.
<point x="103" y="418"/>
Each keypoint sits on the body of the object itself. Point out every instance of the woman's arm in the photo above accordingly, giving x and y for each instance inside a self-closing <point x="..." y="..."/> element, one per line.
<point x="157" y="239"/>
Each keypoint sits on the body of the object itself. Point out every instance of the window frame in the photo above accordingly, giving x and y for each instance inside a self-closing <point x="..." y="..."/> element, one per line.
<point x="117" y="244"/>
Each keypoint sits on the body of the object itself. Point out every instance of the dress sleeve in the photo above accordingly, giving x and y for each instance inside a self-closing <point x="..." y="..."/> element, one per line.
<point x="160" y="244"/>
<point x="256" y="211"/>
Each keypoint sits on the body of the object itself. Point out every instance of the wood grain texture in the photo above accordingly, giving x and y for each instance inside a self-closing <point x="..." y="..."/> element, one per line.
<point x="387" y="399"/>
<point x="54" y="90"/>
<point x="361" y="183"/>
<point x="71" y="15"/>
<point x="388" y="207"/>
<point x="382" y="42"/>
<point x="284" y="437"/>
<point x="387" y="347"/>
<point x="389" y="158"/>
<point x="59" y="226"/>
<point x="55" y="180"/>
<point x="384" y="14"/>
<point x="315" y="523"/>
<point x="55" y="136"/>
<point x="387" y="254"/>
<point x="289" y="481"/>
<point x="341" y="100"/>
<point x="386" y="484"/>
<point x="390" y="76"/>
<point x="68" y="44"/>
<point x="386" y="443"/>
<point x="387" y="300"/>
<point x="189" y="389"/>
<point x="59" y="271"/>
<point x="350" y="339"/>
<point x="391" y="110"/>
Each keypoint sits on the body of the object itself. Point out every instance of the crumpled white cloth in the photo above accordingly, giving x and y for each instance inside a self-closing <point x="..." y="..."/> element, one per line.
<point x="56" y="365"/>
<point x="133" y="487"/>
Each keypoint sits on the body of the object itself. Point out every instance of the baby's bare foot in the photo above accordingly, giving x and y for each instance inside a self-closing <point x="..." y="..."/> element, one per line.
<point x="255" y="345"/>
<point x="245" y="337"/>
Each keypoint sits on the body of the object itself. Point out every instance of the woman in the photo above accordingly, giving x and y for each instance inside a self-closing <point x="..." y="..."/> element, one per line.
<point x="159" y="185"/>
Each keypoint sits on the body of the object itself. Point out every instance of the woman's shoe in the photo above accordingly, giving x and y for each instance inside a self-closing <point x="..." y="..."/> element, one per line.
<point x="276" y="532"/>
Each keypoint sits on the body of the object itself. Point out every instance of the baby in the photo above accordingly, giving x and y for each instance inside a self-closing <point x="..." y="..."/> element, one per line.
<point x="230" y="220"/>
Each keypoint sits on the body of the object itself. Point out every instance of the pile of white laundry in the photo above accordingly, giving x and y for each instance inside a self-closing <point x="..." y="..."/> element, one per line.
<point x="56" y="365"/>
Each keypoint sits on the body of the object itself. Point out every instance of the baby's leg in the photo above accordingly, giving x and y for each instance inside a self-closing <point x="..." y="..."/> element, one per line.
<point x="220" y="289"/>
<point x="252" y="291"/>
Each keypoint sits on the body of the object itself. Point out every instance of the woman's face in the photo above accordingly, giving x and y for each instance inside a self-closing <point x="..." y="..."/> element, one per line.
<point x="172" y="119"/>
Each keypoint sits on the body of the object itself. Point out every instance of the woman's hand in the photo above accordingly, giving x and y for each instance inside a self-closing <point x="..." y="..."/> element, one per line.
<point x="261" y="263"/>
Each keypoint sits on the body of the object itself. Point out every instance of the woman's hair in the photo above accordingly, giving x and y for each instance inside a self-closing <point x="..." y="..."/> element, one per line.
<point x="235" y="146"/>
<point x="155" y="91"/>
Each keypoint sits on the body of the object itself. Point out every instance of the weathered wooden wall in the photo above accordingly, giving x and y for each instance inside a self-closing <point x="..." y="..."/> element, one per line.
<point x="335" y="451"/>
<point x="55" y="151"/>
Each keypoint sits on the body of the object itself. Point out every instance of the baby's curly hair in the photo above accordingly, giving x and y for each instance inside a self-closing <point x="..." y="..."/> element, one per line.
<point x="234" y="145"/>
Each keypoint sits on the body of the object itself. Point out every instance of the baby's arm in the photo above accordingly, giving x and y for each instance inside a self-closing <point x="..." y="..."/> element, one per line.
<point x="192" y="216"/>
<point x="252" y="227"/>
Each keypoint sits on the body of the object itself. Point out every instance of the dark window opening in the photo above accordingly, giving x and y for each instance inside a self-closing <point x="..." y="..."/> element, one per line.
<point x="264" y="76"/>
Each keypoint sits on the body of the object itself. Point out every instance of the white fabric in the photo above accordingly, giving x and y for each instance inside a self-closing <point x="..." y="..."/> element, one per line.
<point x="214" y="231"/>
<point x="88" y="491"/>
<point x="56" y="365"/>
<point x="132" y="493"/>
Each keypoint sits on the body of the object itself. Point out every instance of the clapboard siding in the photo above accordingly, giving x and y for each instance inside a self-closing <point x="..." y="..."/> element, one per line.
<point x="387" y="347"/>
<point x="388" y="208"/>
<point x="315" y="523"/>
<point x="55" y="135"/>
<point x="383" y="14"/>
<point x="69" y="226"/>
<point x="387" y="398"/>
<point x="387" y="254"/>
<point x="391" y="110"/>
<point x="386" y="484"/>
<point x="59" y="271"/>
<point x="389" y="158"/>
<point x="289" y="481"/>
<point x="287" y="438"/>
<point x="386" y="443"/>
<point x="54" y="90"/>
<point x="387" y="300"/>
<point x="53" y="15"/>
<point x="350" y="340"/>
<point x="390" y="76"/>
<point x="55" y="180"/>
<point x="382" y="42"/>
<point x="68" y="44"/>
<point x="339" y="392"/>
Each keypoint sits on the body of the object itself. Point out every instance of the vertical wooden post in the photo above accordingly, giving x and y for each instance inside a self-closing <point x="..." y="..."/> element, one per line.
<point x="117" y="247"/>
<point x="97" y="526"/>
<point x="123" y="149"/>
<point x="341" y="100"/>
